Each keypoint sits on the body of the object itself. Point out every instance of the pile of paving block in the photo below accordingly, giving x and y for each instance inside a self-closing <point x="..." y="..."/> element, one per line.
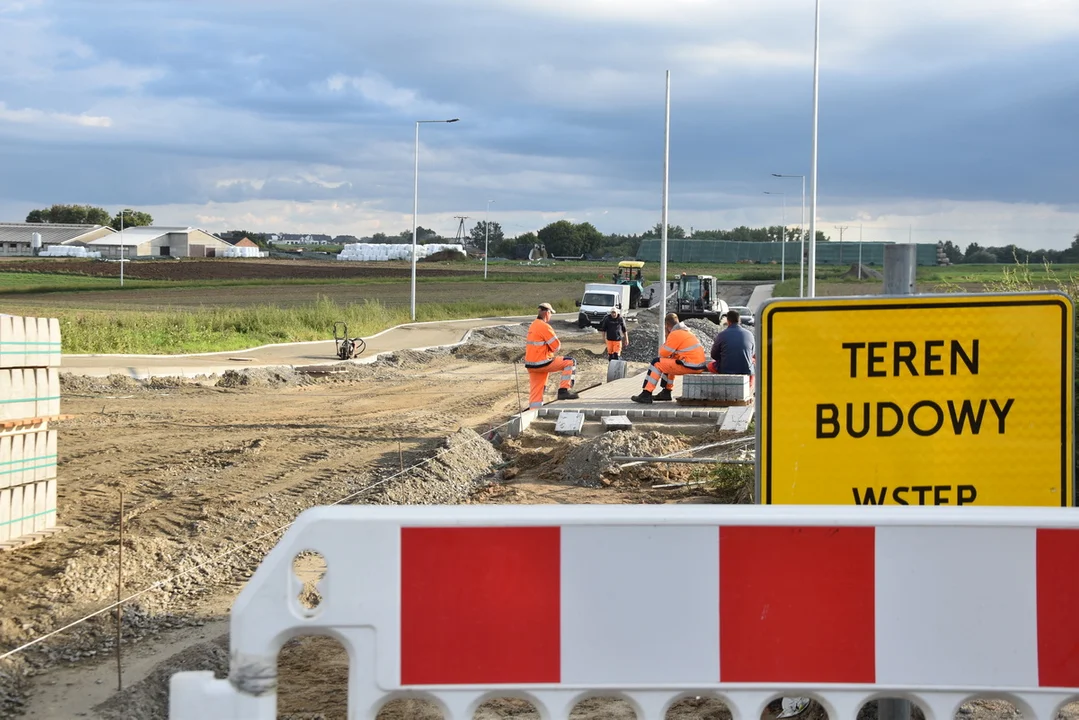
<point x="714" y="389"/>
<point x="29" y="400"/>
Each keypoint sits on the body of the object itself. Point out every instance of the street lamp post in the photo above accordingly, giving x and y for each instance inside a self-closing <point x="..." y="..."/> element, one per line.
<point x="812" y="277"/>
<point x="801" y="234"/>
<point x="486" y="236"/>
<point x="416" y="207"/>
<point x="782" y="236"/>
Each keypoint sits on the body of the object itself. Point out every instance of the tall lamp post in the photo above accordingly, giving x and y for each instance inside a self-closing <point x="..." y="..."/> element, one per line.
<point x="801" y="234"/>
<point x="782" y="236"/>
<point x="416" y="207"/>
<point x="812" y="277"/>
<point x="486" y="236"/>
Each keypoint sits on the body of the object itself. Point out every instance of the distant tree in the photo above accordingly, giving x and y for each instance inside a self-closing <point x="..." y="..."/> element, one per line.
<point x="70" y="214"/>
<point x="131" y="218"/>
<point x="980" y="256"/>
<point x="423" y="236"/>
<point x="565" y="238"/>
<point x="477" y="234"/>
<point x="260" y="239"/>
<point x="955" y="255"/>
<point x="675" y="232"/>
<point x="516" y="248"/>
<point x="1071" y="255"/>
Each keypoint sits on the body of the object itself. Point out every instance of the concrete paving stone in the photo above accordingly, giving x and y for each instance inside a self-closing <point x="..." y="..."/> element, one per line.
<point x="569" y="423"/>
<point x="616" y="422"/>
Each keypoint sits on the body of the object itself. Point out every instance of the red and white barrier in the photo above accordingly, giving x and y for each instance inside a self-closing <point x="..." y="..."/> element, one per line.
<point x="745" y="603"/>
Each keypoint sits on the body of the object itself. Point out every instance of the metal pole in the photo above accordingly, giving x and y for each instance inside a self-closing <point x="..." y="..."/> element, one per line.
<point x="119" y="598"/>
<point x="859" y="251"/>
<point x="841" y="228"/>
<point x="121" y="247"/>
<point x="415" y="211"/>
<point x="813" y="164"/>
<point x="783" y="239"/>
<point x="486" y="236"/>
<point x="802" y="248"/>
<point x="900" y="266"/>
<point x="663" y="233"/>
<point x="416" y="206"/>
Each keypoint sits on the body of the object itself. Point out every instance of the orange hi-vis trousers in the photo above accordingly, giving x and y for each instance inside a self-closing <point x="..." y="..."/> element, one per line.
<point x="537" y="378"/>
<point x="662" y="372"/>
<point x="614" y="347"/>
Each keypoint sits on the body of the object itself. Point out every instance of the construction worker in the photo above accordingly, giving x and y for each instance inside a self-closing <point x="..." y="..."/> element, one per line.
<point x="541" y="344"/>
<point x="614" y="325"/>
<point x="681" y="354"/>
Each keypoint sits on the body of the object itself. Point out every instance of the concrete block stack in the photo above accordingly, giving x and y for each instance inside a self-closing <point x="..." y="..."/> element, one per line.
<point x="29" y="398"/>
<point x="719" y="389"/>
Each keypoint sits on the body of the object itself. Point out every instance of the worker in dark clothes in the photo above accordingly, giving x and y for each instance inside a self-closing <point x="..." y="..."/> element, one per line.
<point x="617" y="333"/>
<point x="733" y="351"/>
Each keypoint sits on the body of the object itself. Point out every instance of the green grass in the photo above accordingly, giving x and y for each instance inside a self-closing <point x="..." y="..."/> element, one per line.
<point x="222" y="329"/>
<point x="20" y="282"/>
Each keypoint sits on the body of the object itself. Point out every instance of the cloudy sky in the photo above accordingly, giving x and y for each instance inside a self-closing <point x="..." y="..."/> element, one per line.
<point x="939" y="119"/>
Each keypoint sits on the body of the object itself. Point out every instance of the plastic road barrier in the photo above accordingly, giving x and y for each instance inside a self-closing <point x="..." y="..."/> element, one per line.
<point x="653" y="604"/>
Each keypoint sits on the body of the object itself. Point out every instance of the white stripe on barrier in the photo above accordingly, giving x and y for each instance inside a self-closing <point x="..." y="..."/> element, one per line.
<point x="608" y="613"/>
<point x="989" y="643"/>
<point x="463" y="604"/>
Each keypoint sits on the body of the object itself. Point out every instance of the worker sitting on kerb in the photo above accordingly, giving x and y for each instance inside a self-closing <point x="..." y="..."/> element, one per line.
<point x="541" y="344"/>
<point x="615" y="326"/>
<point x="733" y="350"/>
<point x="681" y="354"/>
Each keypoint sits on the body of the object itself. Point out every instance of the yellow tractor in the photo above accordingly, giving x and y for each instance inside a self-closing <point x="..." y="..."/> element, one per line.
<point x="629" y="273"/>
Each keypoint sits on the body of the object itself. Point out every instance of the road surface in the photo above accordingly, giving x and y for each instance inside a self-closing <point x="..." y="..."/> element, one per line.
<point x="410" y="336"/>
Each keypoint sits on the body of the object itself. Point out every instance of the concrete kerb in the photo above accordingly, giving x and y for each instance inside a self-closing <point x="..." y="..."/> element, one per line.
<point x="136" y="373"/>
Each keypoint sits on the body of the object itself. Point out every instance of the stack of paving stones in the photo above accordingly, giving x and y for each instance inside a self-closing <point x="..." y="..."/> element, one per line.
<point x="29" y="399"/>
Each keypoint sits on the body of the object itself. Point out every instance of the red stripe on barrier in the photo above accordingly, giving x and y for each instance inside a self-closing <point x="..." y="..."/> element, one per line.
<point x="796" y="604"/>
<point x="1058" y="621"/>
<point x="480" y="605"/>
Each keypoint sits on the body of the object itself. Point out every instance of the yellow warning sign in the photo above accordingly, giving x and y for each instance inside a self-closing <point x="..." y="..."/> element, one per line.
<point x="917" y="400"/>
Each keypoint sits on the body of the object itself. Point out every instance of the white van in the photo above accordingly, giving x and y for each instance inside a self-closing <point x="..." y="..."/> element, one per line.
<point x="598" y="300"/>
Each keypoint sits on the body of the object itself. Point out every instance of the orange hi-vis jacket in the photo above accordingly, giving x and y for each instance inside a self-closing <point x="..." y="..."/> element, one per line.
<point x="681" y="344"/>
<point x="540" y="344"/>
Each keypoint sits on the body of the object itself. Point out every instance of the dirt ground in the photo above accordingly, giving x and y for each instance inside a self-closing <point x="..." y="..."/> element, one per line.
<point x="209" y="467"/>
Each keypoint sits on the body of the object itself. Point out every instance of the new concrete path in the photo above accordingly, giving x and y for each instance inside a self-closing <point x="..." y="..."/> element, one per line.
<point x="410" y="336"/>
<point x="760" y="294"/>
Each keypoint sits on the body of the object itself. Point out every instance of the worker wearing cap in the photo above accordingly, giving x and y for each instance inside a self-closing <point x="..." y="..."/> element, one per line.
<point x="681" y="354"/>
<point x="615" y="326"/>
<point x="541" y="344"/>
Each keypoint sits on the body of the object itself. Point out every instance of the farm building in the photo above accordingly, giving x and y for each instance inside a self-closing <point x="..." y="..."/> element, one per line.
<point x="17" y="238"/>
<point x="156" y="241"/>
<point x="242" y="247"/>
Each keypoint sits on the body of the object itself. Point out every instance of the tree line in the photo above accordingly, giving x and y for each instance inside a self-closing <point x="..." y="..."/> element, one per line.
<point x="975" y="253"/>
<point x="89" y="215"/>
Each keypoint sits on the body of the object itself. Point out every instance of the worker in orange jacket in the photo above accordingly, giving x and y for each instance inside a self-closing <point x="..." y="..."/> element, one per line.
<point x="541" y="344"/>
<point x="681" y="354"/>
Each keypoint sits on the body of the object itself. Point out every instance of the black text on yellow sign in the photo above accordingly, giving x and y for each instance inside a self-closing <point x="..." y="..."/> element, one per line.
<point x="918" y="400"/>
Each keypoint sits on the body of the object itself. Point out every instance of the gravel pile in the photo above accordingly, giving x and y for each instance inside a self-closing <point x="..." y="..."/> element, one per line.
<point x="149" y="698"/>
<point x="644" y="337"/>
<point x="465" y="461"/>
<point x="590" y="464"/>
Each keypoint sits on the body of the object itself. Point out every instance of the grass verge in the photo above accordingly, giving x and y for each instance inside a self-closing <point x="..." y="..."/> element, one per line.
<point x="223" y="329"/>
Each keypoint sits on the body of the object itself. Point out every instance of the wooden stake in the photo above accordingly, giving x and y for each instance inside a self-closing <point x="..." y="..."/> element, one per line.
<point x="119" y="598"/>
